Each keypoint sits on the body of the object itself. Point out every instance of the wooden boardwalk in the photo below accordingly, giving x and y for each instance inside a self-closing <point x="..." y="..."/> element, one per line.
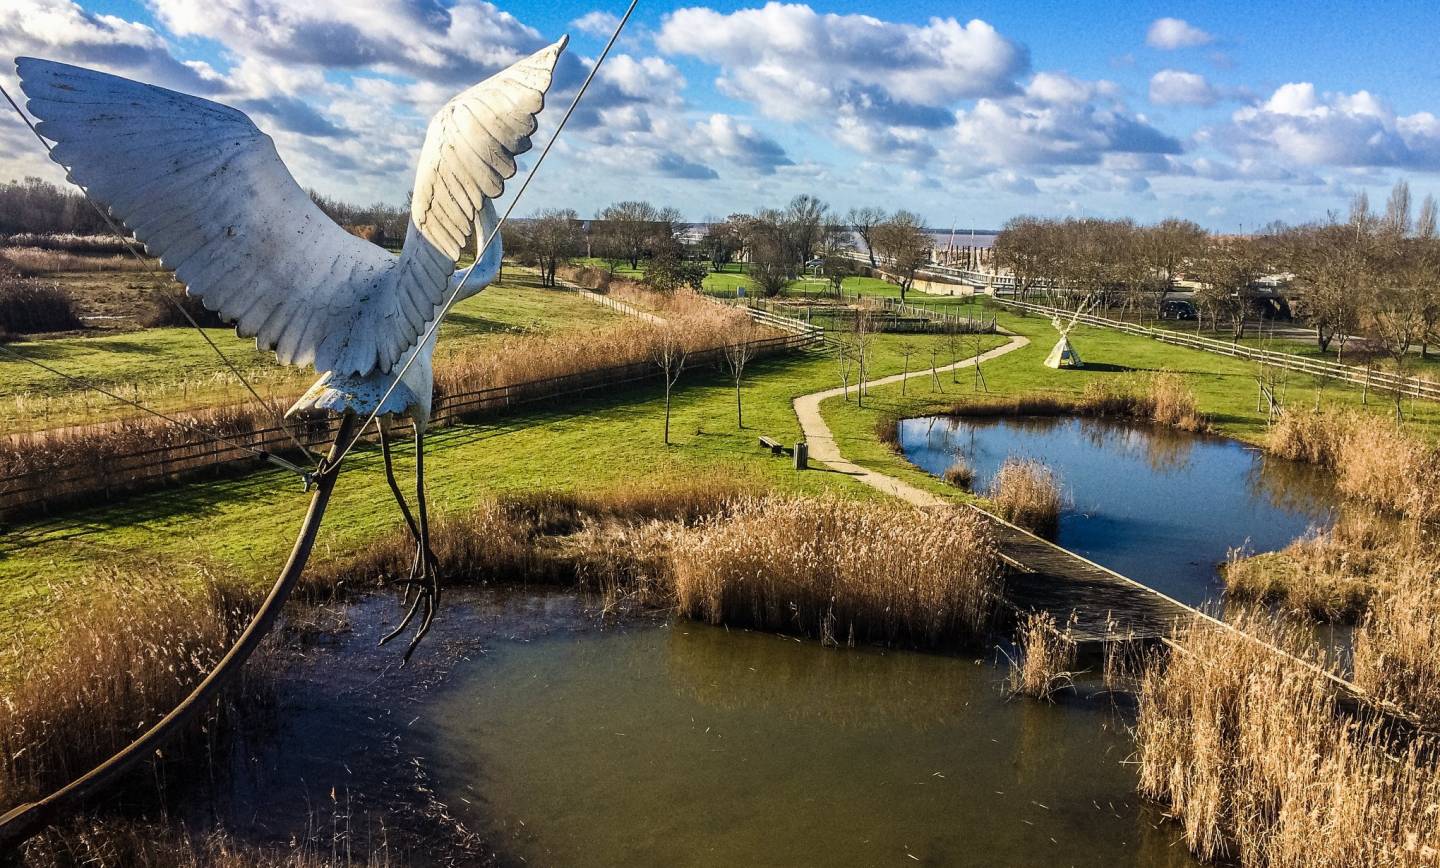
<point x="1098" y="603"/>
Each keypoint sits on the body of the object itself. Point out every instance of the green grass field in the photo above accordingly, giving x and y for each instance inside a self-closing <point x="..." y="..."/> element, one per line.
<point x="173" y="368"/>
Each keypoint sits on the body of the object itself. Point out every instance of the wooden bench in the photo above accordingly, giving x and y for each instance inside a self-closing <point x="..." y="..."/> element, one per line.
<point x="775" y="446"/>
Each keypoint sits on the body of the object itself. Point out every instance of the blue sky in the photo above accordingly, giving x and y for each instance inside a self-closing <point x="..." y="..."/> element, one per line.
<point x="1231" y="114"/>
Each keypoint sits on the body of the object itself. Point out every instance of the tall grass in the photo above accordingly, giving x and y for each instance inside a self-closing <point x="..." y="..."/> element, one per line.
<point x="613" y="541"/>
<point x="142" y="639"/>
<point x="1397" y="648"/>
<point x="1025" y="492"/>
<point x="1376" y="461"/>
<point x="35" y="260"/>
<point x="1047" y="653"/>
<point x="1164" y="398"/>
<point x="124" y="843"/>
<point x="959" y="474"/>
<point x="1246" y="749"/>
<point x="1331" y="574"/>
<point x="841" y="571"/>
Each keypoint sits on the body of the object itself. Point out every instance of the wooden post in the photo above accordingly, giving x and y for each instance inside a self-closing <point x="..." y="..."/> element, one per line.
<point x="25" y="820"/>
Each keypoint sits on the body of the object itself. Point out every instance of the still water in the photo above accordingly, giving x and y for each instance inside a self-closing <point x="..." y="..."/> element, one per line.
<point x="1161" y="506"/>
<point x="684" y="744"/>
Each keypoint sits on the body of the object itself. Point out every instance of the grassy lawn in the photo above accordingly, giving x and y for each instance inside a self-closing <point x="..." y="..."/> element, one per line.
<point x="174" y="369"/>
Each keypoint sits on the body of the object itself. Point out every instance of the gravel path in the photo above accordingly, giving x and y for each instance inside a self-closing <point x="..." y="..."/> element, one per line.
<point x="824" y="449"/>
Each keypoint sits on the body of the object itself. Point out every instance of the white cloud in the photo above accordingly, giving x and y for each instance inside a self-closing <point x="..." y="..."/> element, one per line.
<point x="597" y="23"/>
<point x="464" y="42"/>
<point x="739" y="143"/>
<point x="62" y="30"/>
<point x="793" y="62"/>
<point x="1301" y="125"/>
<point x="1171" y="33"/>
<point x="1057" y="121"/>
<point x="1176" y="87"/>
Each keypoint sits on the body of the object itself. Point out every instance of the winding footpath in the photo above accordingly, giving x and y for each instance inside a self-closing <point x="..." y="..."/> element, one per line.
<point x="825" y="450"/>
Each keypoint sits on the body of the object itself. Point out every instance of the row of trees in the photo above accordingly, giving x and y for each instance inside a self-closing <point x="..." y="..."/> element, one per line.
<point x="777" y="245"/>
<point x="38" y="207"/>
<point x="1368" y="275"/>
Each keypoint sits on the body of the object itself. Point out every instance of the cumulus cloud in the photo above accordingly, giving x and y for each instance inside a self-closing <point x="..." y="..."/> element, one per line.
<point x="61" y="30"/>
<point x="1176" y="87"/>
<point x="597" y="23"/>
<point x="459" y="43"/>
<point x="1169" y="34"/>
<point x="1300" y="124"/>
<point x="1056" y="121"/>
<point x="740" y="143"/>
<point x="869" y="78"/>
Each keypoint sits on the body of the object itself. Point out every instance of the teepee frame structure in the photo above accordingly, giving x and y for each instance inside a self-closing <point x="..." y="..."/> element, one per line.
<point x="1064" y="354"/>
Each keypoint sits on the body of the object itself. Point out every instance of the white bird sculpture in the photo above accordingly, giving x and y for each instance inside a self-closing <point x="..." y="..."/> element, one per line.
<point x="208" y="194"/>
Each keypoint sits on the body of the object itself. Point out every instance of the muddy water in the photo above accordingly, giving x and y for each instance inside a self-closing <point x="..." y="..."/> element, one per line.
<point x="684" y="744"/>
<point x="1160" y="506"/>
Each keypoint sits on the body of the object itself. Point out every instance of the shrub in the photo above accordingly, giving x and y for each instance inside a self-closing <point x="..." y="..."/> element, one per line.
<point x="165" y="306"/>
<point x="959" y="474"/>
<point x="30" y="307"/>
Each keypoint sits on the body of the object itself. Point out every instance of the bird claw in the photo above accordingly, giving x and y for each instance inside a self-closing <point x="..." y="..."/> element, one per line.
<point x="425" y="581"/>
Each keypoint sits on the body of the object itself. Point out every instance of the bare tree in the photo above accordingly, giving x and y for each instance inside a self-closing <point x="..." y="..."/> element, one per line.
<point x="551" y="237"/>
<point x="907" y="349"/>
<point x="627" y="230"/>
<point x="736" y="356"/>
<point x="668" y="354"/>
<point x="864" y="221"/>
<point x="904" y="245"/>
<point x="1397" y="210"/>
<point x="935" y="368"/>
<point x="864" y="338"/>
<point x="805" y="222"/>
<point x="845" y="358"/>
<point x="772" y="260"/>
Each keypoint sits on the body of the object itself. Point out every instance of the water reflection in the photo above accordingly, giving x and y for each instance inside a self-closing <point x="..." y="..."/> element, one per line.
<point x="691" y="745"/>
<point x="1162" y="506"/>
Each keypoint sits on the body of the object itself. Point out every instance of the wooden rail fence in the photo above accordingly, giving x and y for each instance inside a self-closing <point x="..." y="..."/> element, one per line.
<point x="54" y="486"/>
<point x="1415" y="387"/>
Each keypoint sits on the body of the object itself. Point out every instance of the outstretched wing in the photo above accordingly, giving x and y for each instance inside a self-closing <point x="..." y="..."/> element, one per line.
<point x="471" y="146"/>
<point x="207" y="193"/>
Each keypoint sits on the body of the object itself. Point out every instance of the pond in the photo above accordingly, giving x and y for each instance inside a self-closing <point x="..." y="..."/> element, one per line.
<point x="693" y="745"/>
<point x="1160" y="506"/>
<point x="528" y="732"/>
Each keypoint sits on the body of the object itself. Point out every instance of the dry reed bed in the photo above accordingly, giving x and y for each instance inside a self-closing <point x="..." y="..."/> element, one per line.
<point x="31" y="261"/>
<point x="131" y="644"/>
<point x="841" y="571"/>
<point x="1164" y="398"/>
<point x="1246" y="749"/>
<point x="1026" y="493"/>
<point x="1376" y="461"/>
<point x="1397" y="648"/>
<point x="1332" y="574"/>
<point x="1046" y="656"/>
